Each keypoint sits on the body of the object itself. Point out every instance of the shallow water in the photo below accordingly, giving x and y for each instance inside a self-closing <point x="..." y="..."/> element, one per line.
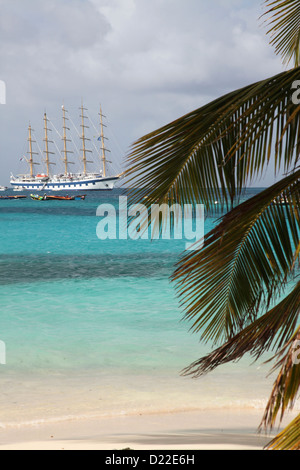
<point x="93" y="328"/>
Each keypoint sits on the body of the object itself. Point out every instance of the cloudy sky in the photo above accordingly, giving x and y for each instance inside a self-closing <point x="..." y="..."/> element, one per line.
<point x="146" y="63"/>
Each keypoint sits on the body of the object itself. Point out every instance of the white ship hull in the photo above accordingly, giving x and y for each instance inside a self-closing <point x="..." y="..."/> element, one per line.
<point x="73" y="184"/>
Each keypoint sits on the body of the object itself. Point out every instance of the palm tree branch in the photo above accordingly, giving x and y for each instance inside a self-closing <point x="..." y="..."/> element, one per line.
<point x="288" y="439"/>
<point x="271" y="330"/>
<point x="285" y="28"/>
<point x="287" y="383"/>
<point x="245" y="259"/>
<point x="208" y="153"/>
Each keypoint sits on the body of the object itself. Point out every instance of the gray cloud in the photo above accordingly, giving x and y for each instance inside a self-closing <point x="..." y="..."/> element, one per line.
<point x="73" y="23"/>
<point x="146" y="62"/>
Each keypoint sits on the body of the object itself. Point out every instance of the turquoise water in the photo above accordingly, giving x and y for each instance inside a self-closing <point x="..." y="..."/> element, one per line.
<point x="93" y="327"/>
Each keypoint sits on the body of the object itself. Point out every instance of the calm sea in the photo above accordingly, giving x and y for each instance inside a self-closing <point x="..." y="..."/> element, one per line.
<point x="93" y="328"/>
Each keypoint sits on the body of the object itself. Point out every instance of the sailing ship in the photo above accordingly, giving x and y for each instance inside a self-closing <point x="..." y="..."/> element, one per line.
<point x="68" y="181"/>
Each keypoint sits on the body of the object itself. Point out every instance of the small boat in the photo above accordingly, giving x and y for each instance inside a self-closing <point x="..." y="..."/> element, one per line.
<point x="46" y="197"/>
<point x="3" y="188"/>
<point x="36" y="197"/>
<point x="13" y="197"/>
<point x="66" y="198"/>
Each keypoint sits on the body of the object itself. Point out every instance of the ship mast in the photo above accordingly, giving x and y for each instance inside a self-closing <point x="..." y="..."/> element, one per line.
<point x="31" y="153"/>
<point x="66" y="161"/>
<point x="84" y="139"/>
<point x="46" y="140"/>
<point x="102" y="144"/>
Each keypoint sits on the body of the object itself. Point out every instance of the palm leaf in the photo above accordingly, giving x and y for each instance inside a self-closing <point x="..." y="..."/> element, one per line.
<point x="289" y="438"/>
<point x="285" y="28"/>
<point x="271" y="330"/>
<point x="287" y="383"/>
<point x="244" y="261"/>
<point x="213" y="152"/>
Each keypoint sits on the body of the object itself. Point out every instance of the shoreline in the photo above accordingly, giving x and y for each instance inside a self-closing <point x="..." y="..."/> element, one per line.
<point x="197" y="430"/>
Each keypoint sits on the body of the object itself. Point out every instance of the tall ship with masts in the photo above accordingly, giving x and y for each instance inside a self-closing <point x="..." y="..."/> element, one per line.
<point x="84" y="180"/>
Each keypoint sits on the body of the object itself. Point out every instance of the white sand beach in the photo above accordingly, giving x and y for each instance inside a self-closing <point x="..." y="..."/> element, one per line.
<point x="205" y="430"/>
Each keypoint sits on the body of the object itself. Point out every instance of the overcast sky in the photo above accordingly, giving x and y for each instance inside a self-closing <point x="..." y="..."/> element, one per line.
<point x="146" y="61"/>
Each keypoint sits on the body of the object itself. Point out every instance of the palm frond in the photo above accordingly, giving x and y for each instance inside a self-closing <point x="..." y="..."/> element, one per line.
<point x="287" y="383"/>
<point x="213" y="152"/>
<point x="289" y="438"/>
<point x="244" y="261"/>
<point x="285" y="28"/>
<point x="270" y="331"/>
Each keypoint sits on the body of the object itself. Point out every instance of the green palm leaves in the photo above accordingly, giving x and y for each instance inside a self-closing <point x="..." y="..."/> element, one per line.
<point x="271" y="330"/>
<point x="286" y="386"/>
<point x="213" y="152"/>
<point x="245" y="261"/>
<point x="285" y="28"/>
<point x="289" y="438"/>
<point x="229" y="289"/>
